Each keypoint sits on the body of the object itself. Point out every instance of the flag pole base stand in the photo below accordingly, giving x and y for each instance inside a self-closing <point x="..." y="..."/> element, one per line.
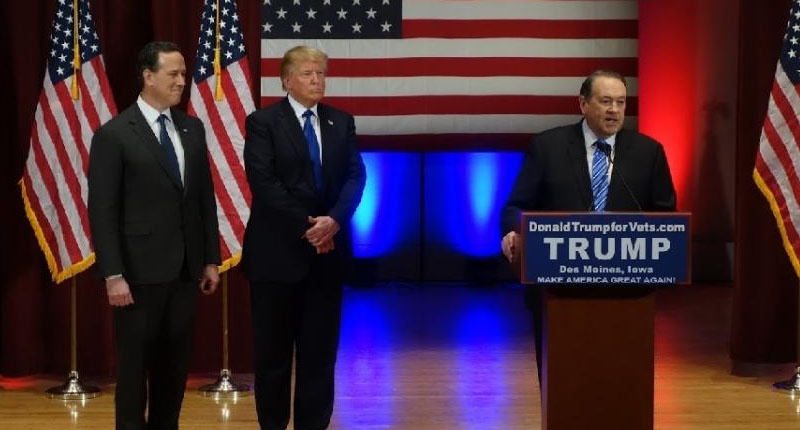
<point x="792" y="384"/>
<point x="224" y="387"/>
<point x="73" y="389"/>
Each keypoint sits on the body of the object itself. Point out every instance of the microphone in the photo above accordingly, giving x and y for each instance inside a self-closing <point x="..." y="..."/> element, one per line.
<point x="606" y="149"/>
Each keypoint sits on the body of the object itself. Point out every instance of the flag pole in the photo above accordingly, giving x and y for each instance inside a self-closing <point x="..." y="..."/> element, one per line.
<point x="224" y="385"/>
<point x="793" y="384"/>
<point x="73" y="388"/>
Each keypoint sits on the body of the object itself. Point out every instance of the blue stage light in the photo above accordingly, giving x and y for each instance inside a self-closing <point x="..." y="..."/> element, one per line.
<point x="464" y="193"/>
<point x="388" y="215"/>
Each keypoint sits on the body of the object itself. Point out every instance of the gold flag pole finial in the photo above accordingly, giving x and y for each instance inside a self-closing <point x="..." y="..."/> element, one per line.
<point x="218" y="94"/>
<point x="76" y="57"/>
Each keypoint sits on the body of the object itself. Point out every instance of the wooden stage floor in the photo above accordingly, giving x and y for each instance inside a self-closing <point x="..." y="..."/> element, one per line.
<point x="442" y="356"/>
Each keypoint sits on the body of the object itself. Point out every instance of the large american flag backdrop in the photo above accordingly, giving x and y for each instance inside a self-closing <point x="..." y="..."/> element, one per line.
<point x="221" y="97"/>
<point x="454" y="74"/>
<point x="75" y="100"/>
<point x="778" y="155"/>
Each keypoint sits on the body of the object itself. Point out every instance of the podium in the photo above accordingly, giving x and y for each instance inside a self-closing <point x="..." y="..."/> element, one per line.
<point x="599" y="272"/>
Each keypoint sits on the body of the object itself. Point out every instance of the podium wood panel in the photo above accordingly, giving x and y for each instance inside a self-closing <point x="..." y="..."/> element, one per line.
<point x="598" y="359"/>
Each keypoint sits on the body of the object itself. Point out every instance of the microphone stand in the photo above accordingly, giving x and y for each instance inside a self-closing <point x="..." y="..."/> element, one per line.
<point x="607" y="151"/>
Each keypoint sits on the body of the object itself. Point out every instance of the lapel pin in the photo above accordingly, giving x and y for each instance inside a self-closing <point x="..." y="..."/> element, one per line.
<point x="330" y="122"/>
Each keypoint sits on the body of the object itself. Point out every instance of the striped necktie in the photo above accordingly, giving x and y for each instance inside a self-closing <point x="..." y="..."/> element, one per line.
<point x="600" y="175"/>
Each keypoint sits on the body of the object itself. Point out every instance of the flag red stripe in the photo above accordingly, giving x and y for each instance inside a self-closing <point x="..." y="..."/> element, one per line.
<point x="50" y="185"/>
<point x="465" y="67"/>
<point x="521" y="28"/>
<point x="454" y="105"/>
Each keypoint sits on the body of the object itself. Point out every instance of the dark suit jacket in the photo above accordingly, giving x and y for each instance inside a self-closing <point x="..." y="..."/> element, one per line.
<point x="144" y="223"/>
<point x="555" y="176"/>
<point x="281" y="180"/>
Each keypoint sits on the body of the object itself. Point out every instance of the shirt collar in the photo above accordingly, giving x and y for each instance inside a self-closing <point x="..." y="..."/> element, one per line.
<point x="150" y="113"/>
<point x="589" y="138"/>
<point x="300" y="109"/>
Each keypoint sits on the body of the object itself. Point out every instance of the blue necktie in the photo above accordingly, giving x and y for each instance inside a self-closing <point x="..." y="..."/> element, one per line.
<point x="313" y="148"/>
<point x="600" y="175"/>
<point x="168" y="148"/>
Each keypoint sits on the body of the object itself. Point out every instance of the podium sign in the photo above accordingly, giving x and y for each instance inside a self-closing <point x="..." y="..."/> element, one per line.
<point x="596" y="248"/>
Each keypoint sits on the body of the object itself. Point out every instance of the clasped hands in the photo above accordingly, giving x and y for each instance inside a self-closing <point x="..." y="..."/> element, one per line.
<point x="321" y="233"/>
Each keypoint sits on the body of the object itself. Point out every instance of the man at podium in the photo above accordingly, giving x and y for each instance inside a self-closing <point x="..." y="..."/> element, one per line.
<point x="594" y="165"/>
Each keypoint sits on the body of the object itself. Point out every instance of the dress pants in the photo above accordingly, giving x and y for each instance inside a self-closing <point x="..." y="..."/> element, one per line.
<point x="154" y="338"/>
<point x="297" y="321"/>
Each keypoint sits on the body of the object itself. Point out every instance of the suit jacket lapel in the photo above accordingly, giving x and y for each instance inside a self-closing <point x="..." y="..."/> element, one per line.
<point x="189" y="145"/>
<point x="576" y="148"/>
<point x="293" y="129"/>
<point x="326" y="126"/>
<point x="615" y="187"/>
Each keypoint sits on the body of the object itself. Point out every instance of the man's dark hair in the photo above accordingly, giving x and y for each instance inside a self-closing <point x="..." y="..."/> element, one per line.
<point x="586" y="87"/>
<point x="148" y="57"/>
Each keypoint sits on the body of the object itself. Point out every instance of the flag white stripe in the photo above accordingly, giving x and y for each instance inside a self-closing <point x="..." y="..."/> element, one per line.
<point x="512" y="10"/>
<point x="446" y="86"/>
<point x="458" y="48"/>
<point x="481" y="123"/>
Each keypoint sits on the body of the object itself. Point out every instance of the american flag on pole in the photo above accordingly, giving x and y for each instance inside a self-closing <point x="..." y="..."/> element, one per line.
<point x="75" y="100"/>
<point x="454" y="74"/>
<point x="221" y="97"/>
<point x="778" y="155"/>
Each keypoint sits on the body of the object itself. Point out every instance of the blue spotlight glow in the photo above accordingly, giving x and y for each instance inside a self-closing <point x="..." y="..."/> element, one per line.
<point x="483" y="190"/>
<point x="464" y="193"/>
<point x="389" y="211"/>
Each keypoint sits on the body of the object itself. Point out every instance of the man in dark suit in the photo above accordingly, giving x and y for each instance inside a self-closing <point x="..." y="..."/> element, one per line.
<point x="153" y="220"/>
<point x="555" y="175"/>
<point x="306" y="176"/>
